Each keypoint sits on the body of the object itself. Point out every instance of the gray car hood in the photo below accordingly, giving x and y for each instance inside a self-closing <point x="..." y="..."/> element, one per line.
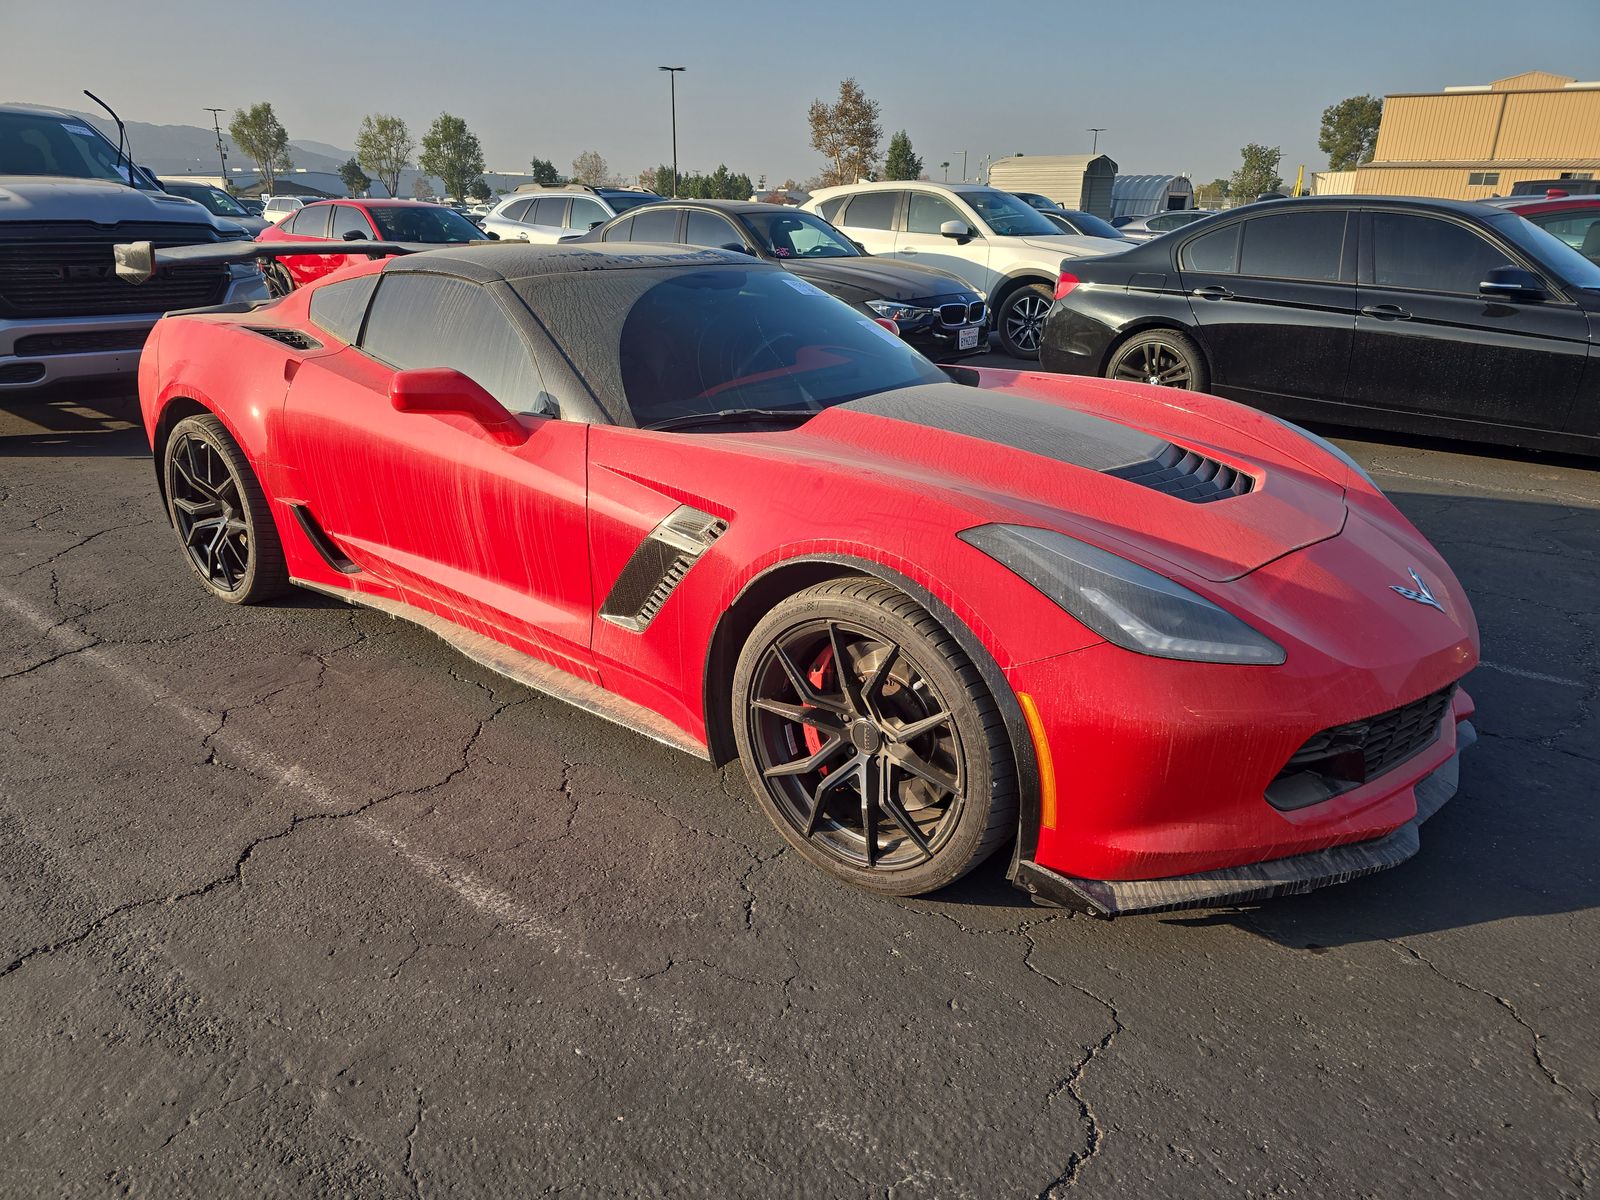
<point x="59" y="198"/>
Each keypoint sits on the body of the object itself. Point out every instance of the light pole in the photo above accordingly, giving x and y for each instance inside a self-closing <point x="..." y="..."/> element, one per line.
<point x="946" y="167"/>
<point x="963" y="166"/>
<point x="1094" y="147"/>
<point x="672" y="76"/>
<point x="222" y="154"/>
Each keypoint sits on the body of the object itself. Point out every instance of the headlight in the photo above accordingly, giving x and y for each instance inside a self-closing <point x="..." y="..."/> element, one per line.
<point x="896" y="311"/>
<point x="1124" y="603"/>
<point x="1325" y="444"/>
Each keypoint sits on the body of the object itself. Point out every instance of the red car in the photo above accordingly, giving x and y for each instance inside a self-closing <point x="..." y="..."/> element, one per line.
<point x="1174" y="651"/>
<point x="1573" y="219"/>
<point x="408" y="221"/>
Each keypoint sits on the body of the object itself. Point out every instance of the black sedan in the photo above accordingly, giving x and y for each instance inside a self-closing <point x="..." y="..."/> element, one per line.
<point x="940" y="314"/>
<point x="1425" y="316"/>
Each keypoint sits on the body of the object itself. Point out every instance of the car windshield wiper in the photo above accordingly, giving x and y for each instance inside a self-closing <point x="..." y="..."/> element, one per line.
<point x="733" y="415"/>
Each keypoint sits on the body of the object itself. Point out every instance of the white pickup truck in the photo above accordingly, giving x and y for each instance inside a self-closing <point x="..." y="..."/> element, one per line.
<point x="67" y="195"/>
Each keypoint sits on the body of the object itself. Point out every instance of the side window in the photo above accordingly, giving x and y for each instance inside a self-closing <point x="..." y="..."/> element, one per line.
<point x="871" y="210"/>
<point x="1301" y="245"/>
<point x="656" y="225"/>
<point x="337" y="308"/>
<point x="1429" y="254"/>
<point x="1579" y="230"/>
<point x="622" y="231"/>
<point x="421" y="320"/>
<point x="1162" y="222"/>
<point x="548" y="210"/>
<point x="586" y="214"/>
<point x="515" y="210"/>
<point x="708" y="229"/>
<point x="347" y="217"/>
<point x="311" y="222"/>
<point x="830" y="209"/>
<point x="927" y="212"/>
<point x="1215" y="253"/>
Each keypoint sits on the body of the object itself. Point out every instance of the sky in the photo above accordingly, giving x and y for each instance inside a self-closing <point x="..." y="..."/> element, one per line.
<point x="1179" y="85"/>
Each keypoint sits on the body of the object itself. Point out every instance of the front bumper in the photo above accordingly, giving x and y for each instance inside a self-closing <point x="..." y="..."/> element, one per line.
<point x="1252" y="881"/>
<point x="37" y="351"/>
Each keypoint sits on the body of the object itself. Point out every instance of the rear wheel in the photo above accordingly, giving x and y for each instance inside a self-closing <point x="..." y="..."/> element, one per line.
<point x="870" y="739"/>
<point x="279" y="281"/>
<point x="1020" y="321"/>
<point x="1162" y="357"/>
<point x="221" y="513"/>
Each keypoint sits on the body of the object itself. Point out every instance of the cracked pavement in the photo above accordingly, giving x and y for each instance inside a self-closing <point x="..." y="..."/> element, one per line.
<point x="297" y="900"/>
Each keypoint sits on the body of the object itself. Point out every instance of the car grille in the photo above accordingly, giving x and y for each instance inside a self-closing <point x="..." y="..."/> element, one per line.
<point x="21" y="372"/>
<point x="1346" y="756"/>
<point x="961" y="314"/>
<point x="87" y="342"/>
<point x="66" y="270"/>
<point x="1188" y="475"/>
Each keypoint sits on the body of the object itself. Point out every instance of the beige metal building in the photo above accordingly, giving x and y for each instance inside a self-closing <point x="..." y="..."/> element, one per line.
<point x="1076" y="181"/>
<point x="1469" y="143"/>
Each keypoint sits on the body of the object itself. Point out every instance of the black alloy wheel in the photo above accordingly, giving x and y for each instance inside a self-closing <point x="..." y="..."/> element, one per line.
<point x="1020" y="321"/>
<point x="1160" y="357"/>
<point x="870" y="739"/>
<point x="279" y="282"/>
<point x="220" y="513"/>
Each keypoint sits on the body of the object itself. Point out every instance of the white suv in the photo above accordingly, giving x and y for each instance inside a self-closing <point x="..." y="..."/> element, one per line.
<point x="554" y="214"/>
<point x="276" y="208"/>
<point x="982" y="234"/>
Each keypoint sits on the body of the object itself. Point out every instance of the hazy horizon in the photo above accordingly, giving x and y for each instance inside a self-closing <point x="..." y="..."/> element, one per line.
<point x="1179" y="86"/>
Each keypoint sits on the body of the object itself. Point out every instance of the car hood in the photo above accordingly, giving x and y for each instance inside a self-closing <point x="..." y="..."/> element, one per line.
<point x="1076" y="245"/>
<point x="1033" y="458"/>
<point x="879" y="278"/>
<point x="53" y="198"/>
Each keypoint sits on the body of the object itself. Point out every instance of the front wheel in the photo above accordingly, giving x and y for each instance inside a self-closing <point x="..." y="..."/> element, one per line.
<point x="1020" y="321"/>
<point x="279" y="281"/>
<point x="870" y="739"/>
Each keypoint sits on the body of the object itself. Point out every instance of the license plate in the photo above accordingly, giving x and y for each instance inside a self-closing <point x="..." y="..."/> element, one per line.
<point x="967" y="339"/>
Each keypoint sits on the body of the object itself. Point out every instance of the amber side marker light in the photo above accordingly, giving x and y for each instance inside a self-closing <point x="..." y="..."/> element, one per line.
<point x="1041" y="752"/>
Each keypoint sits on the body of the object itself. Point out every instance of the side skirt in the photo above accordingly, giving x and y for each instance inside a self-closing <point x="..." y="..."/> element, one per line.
<point x="529" y="671"/>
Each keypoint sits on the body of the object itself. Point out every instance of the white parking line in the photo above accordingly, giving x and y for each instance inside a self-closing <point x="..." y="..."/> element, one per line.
<point x="690" y="1029"/>
<point x="1539" y="675"/>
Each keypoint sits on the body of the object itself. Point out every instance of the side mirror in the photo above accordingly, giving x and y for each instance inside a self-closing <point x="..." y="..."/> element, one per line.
<point x="355" y="235"/>
<point x="1514" y="284"/>
<point x="490" y="235"/>
<point x="858" y="246"/>
<point x="959" y="230"/>
<point x="737" y="248"/>
<point x="440" y="390"/>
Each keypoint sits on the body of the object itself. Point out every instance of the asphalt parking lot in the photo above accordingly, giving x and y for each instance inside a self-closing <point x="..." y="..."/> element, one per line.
<point x="297" y="900"/>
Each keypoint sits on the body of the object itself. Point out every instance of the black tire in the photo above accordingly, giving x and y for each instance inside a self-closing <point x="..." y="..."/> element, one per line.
<point x="279" y="282"/>
<point x="220" y="513"/>
<point x="910" y="724"/>
<point x="1020" y="319"/>
<point x="1163" y="357"/>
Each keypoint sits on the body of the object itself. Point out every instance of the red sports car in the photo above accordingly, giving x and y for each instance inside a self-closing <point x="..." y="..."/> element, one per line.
<point x="1173" y="650"/>
<point x="408" y="221"/>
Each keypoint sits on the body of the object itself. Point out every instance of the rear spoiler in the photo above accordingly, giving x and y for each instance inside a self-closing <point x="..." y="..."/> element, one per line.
<point x="139" y="262"/>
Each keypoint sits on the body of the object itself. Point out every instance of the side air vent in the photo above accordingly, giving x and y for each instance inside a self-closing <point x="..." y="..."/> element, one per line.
<point x="289" y="337"/>
<point x="658" y="566"/>
<point x="1186" y="475"/>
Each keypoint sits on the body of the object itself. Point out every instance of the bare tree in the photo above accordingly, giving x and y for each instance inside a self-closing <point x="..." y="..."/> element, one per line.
<point x="847" y="133"/>
<point x="590" y="168"/>
<point x="258" y="132"/>
<point x="383" y="146"/>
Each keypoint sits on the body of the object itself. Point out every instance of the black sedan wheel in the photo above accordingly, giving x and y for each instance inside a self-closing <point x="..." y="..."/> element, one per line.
<point x="221" y="514"/>
<point x="1161" y="357"/>
<point x="1020" y="321"/>
<point x="870" y="739"/>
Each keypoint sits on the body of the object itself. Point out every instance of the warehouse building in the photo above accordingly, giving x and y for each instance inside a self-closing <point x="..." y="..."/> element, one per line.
<point x="1081" y="182"/>
<point x="1469" y="143"/>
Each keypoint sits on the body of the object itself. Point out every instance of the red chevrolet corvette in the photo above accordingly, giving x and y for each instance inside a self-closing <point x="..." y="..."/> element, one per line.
<point x="1173" y="650"/>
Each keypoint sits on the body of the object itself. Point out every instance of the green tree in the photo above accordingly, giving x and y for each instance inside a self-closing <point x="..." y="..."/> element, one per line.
<point x="1211" y="195"/>
<point x="1350" y="131"/>
<point x="590" y="168"/>
<point x="657" y="179"/>
<point x="1257" y="173"/>
<point x="356" y="181"/>
<point x="901" y="162"/>
<point x="479" y="190"/>
<point x="846" y="133"/>
<point x="258" y="132"/>
<point x="544" y="172"/>
<point x="451" y="151"/>
<point x="383" y="146"/>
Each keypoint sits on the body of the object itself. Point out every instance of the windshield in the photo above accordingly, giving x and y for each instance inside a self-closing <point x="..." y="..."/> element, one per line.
<point x="1572" y="267"/>
<point x="621" y="202"/>
<point x="41" y="144"/>
<point x="1007" y="216"/>
<point x="211" y="199"/>
<point x="658" y="343"/>
<point x="422" y="224"/>
<point x="798" y="235"/>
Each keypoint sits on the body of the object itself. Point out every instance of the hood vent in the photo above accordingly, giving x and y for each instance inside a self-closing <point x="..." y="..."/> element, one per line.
<point x="289" y="337"/>
<point x="1187" y="475"/>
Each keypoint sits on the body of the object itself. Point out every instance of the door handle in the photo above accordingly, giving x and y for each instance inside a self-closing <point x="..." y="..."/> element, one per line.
<point x="908" y="250"/>
<point x="1214" y="292"/>
<point x="1386" y="312"/>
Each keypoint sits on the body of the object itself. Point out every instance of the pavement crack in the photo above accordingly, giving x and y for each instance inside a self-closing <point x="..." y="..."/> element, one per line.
<point x="411" y="1147"/>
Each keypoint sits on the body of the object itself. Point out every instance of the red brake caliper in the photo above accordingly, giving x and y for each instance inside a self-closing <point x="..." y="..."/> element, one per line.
<point x="818" y="677"/>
